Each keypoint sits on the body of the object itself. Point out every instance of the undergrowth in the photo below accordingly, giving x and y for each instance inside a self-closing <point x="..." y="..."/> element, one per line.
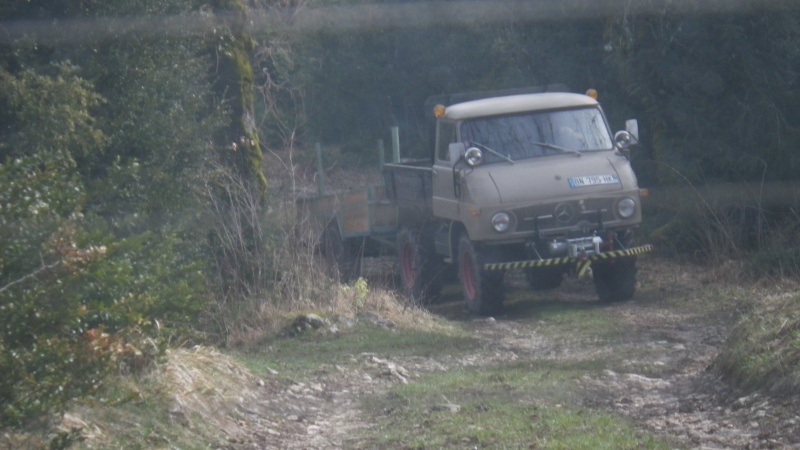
<point x="763" y="350"/>
<point x="715" y="224"/>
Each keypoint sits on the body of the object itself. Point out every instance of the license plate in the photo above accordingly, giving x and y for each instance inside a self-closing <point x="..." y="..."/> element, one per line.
<point x="593" y="180"/>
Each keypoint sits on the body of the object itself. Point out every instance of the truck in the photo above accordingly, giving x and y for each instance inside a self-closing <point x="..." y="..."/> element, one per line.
<point x="527" y="180"/>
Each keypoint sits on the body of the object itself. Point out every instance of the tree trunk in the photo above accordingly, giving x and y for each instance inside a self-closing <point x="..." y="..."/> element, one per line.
<point x="234" y="47"/>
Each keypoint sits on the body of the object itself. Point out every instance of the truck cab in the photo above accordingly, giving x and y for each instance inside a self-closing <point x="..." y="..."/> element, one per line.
<point x="537" y="166"/>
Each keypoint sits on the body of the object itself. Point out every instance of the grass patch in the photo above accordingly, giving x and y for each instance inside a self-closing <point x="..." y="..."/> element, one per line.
<point x="304" y="354"/>
<point x="578" y="320"/>
<point x="763" y="349"/>
<point x="140" y="423"/>
<point x="514" y="406"/>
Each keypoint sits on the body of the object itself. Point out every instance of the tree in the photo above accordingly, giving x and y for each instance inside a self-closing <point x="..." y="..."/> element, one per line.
<point x="102" y="161"/>
<point x="717" y="91"/>
<point x="236" y="88"/>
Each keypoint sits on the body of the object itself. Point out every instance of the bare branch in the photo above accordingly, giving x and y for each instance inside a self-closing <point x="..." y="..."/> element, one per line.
<point x="30" y="275"/>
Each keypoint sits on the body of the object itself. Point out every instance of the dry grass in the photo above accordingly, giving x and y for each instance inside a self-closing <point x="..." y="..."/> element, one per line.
<point x="289" y="277"/>
<point x="202" y="394"/>
<point x="763" y="349"/>
<point x="336" y="302"/>
<point x="205" y="386"/>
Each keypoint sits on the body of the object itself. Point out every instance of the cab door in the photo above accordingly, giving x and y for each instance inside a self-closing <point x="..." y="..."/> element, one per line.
<point x="445" y="192"/>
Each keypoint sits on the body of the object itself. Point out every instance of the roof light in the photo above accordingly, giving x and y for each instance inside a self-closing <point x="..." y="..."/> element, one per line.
<point x="439" y="110"/>
<point x="592" y="93"/>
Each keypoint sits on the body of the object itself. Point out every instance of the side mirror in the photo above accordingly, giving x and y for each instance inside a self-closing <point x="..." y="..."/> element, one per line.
<point x="632" y="127"/>
<point x="630" y="136"/>
<point x="457" y="150"/>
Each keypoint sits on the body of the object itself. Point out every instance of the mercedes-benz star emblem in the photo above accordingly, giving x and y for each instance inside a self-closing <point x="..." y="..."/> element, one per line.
<point x="564" y="213"/>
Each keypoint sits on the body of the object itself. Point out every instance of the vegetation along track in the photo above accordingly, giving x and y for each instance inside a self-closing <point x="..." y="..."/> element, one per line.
<point x="549" y="357"/>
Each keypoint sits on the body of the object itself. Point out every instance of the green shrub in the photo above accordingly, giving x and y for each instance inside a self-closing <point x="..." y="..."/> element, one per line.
<point x="80" y="295"/>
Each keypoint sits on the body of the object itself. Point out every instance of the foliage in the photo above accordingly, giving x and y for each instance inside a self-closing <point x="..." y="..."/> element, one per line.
<point x="763" y="349"/>
<point x="76" y="301"/>
<point x="714" y="93"/>
<point x="716" y="90"/>
<point x="751" y="222"/>
<point x="358" y="83"/>
<point x="102" y="261"/>
<point x="45" y="360"/>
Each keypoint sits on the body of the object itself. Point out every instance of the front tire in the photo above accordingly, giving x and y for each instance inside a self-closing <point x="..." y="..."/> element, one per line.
<point x="483" y="290"/>
<point x="614" y="280"/>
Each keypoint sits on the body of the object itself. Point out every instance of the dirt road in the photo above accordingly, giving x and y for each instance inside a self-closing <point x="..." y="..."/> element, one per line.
<point x="655" y="353"/>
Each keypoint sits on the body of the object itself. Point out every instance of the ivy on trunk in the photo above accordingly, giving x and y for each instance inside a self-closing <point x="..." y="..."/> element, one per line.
<point x="235" y="85"/>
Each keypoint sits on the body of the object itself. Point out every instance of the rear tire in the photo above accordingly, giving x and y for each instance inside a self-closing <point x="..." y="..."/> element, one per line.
<point x="614" y="280"/>
<point x="483" y="290"/>
<point x="420" y="270"/>
<point x="343" y="256"/>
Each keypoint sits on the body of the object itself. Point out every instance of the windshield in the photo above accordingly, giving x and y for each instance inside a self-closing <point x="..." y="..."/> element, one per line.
<point x="540" y="133"/>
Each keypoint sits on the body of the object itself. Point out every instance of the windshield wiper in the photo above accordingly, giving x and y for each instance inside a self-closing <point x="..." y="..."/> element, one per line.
<point x="556" y="147"/>
<point x="495" y="152"/>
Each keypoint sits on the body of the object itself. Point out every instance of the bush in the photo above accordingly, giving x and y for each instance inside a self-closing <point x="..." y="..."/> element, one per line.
<point x="78" y="299"/>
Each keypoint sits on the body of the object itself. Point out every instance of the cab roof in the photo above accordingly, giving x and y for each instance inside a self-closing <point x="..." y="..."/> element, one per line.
<point x="512" y="104"/>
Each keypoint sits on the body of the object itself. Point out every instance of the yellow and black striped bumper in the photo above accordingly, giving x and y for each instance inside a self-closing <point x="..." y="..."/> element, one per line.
<point x="569" y="260"/>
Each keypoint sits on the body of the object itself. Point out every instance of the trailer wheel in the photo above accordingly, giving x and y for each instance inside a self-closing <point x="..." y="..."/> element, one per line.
<point x="544" y="278"/>
<point x="420" y="270"/>
<point x="614" y="280"/>
<point x="343" y="256"/>
<point x="483" y="290"/>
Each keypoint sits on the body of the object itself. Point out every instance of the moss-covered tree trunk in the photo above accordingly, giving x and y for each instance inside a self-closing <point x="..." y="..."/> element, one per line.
<point x="237" y="237"/>
<point x="234" y="71"/>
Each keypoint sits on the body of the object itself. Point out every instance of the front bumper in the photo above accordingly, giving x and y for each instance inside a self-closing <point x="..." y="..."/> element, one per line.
<point x="552" y="262"/>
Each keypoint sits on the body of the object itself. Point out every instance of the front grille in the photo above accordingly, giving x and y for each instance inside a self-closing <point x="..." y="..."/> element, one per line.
<point x="570" y="214"/>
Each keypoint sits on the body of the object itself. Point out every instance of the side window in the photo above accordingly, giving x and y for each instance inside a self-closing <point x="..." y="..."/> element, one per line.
<point x="445" y="135"/>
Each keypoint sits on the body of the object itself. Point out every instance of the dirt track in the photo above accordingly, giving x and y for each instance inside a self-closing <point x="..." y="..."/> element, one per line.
<point x="657" y="373"/>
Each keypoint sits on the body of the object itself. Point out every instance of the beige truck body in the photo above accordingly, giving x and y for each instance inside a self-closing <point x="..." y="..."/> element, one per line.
<point x="532" y="181"/>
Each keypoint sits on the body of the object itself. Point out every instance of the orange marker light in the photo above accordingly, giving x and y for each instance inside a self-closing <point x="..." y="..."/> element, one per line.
<point x="592" y="93"/>
<point x="438" y="110"/>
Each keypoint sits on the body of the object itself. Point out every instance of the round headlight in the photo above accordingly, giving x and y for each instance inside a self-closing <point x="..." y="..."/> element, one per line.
<point x="626" y="208"/>
<point x="500" y="222"/>
<point x="623" y="139"/>
<point x="473" y="156"/>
